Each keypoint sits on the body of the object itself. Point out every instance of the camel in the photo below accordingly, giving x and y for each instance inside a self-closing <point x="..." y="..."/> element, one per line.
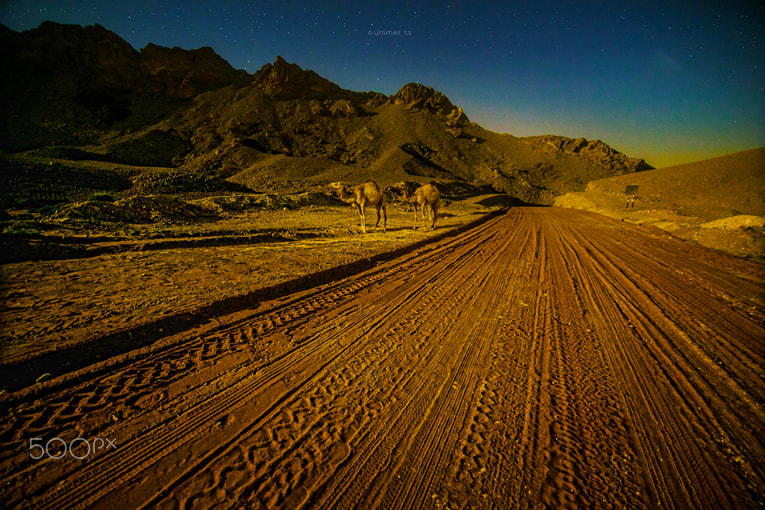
<point x="427" y="197"/>
<point x="364" y="195"/>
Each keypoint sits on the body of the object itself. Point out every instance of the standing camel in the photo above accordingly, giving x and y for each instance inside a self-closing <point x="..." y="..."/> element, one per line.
<point x="427" y="198"/>
<point x="363" y="195"/>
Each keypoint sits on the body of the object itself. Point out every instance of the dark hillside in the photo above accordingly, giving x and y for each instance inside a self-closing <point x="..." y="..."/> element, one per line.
<point x="72" y="90"/>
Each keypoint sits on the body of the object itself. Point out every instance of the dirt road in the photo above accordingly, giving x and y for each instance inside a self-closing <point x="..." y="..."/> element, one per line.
<point x="545" y="357"/>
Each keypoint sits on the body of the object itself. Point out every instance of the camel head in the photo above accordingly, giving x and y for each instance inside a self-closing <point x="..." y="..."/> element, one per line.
<point x="339" y="188"/>
<point x="404" y="189"/>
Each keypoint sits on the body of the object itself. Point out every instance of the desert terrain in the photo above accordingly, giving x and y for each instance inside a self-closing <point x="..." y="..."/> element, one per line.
<point x="189" y="318"/>
<point x="531" y="358"/>
<point x="716" y="203"/>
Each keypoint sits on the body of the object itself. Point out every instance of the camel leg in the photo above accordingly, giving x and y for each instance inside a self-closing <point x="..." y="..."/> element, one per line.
<point x="363" y="218"/>
<point x="358" y="210"/>
<point x="435" y="214"/>
<point x="384" y="215"/>
<point x="416" y="207"/>
<point x="355" y="207"/>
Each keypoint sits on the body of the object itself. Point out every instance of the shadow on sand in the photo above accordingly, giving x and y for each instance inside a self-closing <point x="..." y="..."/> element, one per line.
<point x="102" y="352"/>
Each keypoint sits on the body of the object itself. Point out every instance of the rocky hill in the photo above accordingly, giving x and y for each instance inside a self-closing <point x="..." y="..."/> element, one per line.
<point x="716" y="202"/>
<point x="67" y="84"/>
<point x="75" y="94"/>
<point x="594" y="150"/>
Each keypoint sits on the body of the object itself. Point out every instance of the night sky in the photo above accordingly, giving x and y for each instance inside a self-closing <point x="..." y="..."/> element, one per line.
<point x="671" y="82"/>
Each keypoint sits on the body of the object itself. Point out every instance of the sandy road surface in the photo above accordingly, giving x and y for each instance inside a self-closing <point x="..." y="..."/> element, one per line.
<point x="546" y="357"/>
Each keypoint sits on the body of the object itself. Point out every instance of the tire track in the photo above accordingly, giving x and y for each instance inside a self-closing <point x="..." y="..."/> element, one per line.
<point x="666" y="394"/>
<point x="585" y="453"/>
<point x="305" y="354"/>
<point x="454" y="290"/>
<point x="535" y="360"/>
<point x="190" y="352"/>
<point x="427" y="459"/>
<point x="207" y="412"/>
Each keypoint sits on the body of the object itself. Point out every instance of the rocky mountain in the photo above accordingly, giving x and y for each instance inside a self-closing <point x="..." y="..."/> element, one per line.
<point x="282" y="81"/>
<point x="83" y="93"/>
<point x="67" y="84"/>
<point x="420" y="97"/>
<point x="594" y="150"/>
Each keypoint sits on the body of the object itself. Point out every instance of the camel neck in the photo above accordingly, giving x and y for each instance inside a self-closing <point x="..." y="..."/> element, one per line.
<point x="344" y="195"/>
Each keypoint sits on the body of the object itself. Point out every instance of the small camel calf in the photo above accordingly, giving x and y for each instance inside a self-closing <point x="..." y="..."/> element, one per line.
<point x="427" y="198"/>
<point x="364" y="195"/>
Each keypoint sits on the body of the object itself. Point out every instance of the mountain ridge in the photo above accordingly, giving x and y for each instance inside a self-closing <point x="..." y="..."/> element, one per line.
<point x="85" y="87"/>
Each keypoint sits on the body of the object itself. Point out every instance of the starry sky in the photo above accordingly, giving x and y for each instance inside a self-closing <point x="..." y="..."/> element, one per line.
<point x="668" y="81"/>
